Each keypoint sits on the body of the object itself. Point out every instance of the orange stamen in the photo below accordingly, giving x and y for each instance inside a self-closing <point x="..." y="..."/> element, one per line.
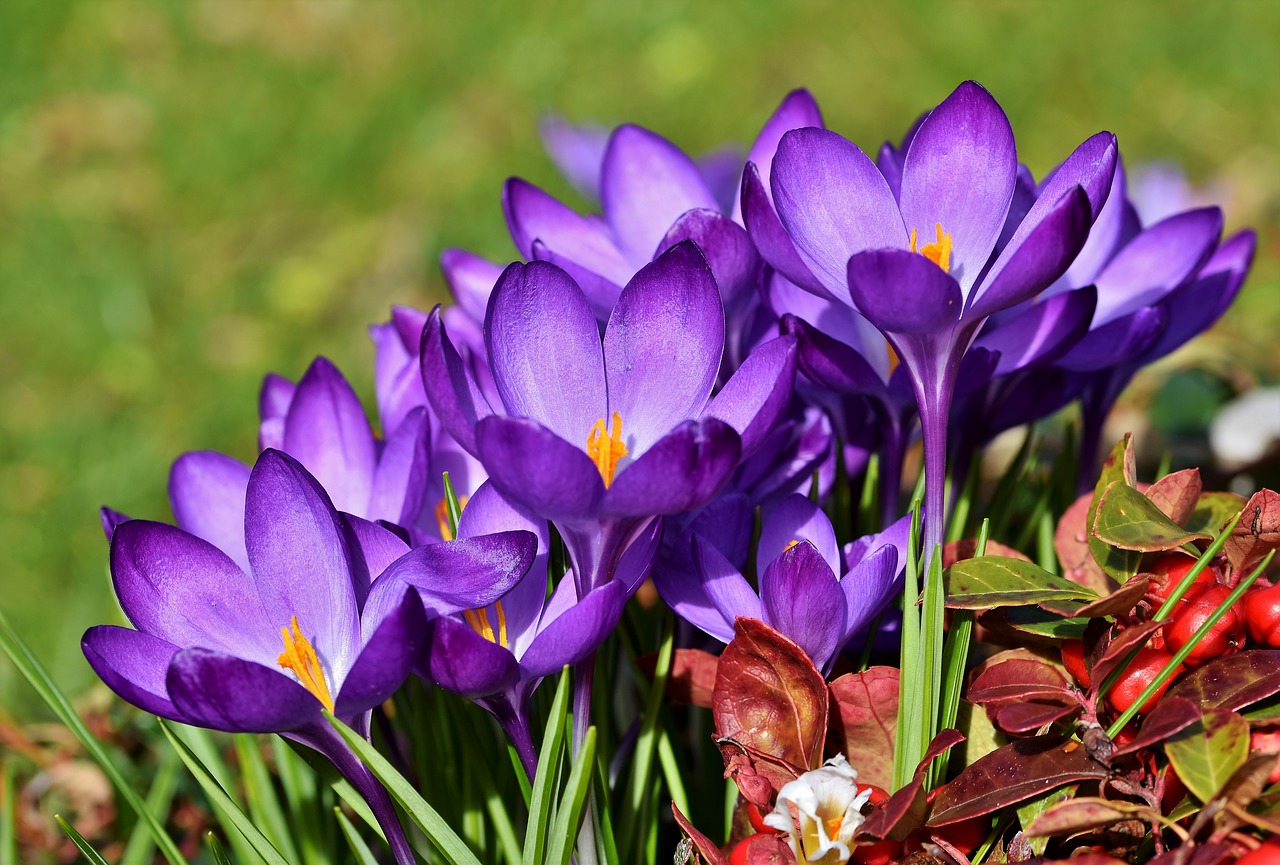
<point x="939" y="252"/>
<point x="790" y="545"/>
<point x="605" y="447"/>
<point x="442" y="516"/>
<point x="300" y="658"/>
<point x="479" y="622"/>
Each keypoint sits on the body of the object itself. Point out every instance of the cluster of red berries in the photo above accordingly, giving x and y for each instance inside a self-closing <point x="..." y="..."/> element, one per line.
<point x="1255" y="617"/>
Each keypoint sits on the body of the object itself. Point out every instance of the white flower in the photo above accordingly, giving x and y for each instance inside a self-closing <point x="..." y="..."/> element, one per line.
<point x="821" y="810"/>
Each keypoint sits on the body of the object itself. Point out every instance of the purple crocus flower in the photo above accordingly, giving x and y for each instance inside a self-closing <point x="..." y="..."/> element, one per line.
<point x="810" y="590"/>
<point x="922" y="264"/>
<point x="266" y="648"/>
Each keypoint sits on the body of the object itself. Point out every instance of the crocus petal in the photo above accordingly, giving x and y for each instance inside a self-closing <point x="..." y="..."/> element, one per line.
<point x="452" y="390"/>
<point x="186" y="591"/>
<point x="636" y="563"/>
<point x="797" y="518"/>
<point x="758" y="392"/>
<point x="544" y="350"/>
<point x="467" y="573"/>
<point x="537" y="468"/>
<point x="327" y="432"/>
<point x="132" y="664"/>
<point x="662" y="347"/>
<point x="275" y="396"/>
<point x="646" y="182"/>
<point x="206" y="492"/>
<point x="601" y="293"/>
<point x="721" y="171"/>
<point x="869" y="588"/>
<point x="1121" y="341"/>
<point x="471" y="278"/>
<point x="460" y="660"/>
<point x="385" y="660"/>
<point x="902" y="292"/>
<point x="1042" y="332"/>
<point x="400" y="479"/>
<point x="299" y="557"/>
<point x="797" y="110"/>
<point x="830" y="363"/>
<point x="1155" y="262"/>
<point x="724" y="243"/>
<point x="372" y="549"/>
<point x="728" y="591"/>
<point x="577" y="150"/>
<point x="577" y="632"/>
<point x="224" y="692"/>
<point x="833" y="201"/>
<point x="959" y="173"/>
<point x="771" y="238"/>
<point x="1091" y="166"/>
<point x="802" y="599"/>
<point x="1116" y="225"/>
<point x="686" y="598"/>
<point x="111" y="518"/>
<point x="682" y="471"/>
<point x="1193" y="308"/>
<point x="834" y="318"/>
<point x="534" y="215"/>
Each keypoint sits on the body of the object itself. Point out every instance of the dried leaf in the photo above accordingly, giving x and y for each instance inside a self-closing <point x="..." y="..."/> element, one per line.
<point x="692" y="678"/>
<point x="1257" y="533"/>
<point x="1071" y="543"/>
<point x="1176" y="494"/>
<point x="706" y="848"/>
<point x="997" y="581"/>
<point x="1084" y="813"/>
<point x="1129" y="520"/>
<point x="1208" y="752"/>
<point x="1232" y="682"/>
<point x="864" y="720"/>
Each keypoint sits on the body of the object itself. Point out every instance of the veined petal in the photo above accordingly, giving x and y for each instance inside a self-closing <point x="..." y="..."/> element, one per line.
<point x="467" y="573"/>
<point x="133" y="664"/>
<point x="680" y="472"/>
<point x="534" y="215"/>
<point x="471" y="278"/>
<point x="902" y="292"/>
<point x="532" y="465"/>
<point x="460" y="660"/>
<point x="576" y="632"/>
<point x="455" y="397"/>
<point x="796" y="518"/>
<point x="372" y="549"/>
<point x="758" y="392"/>
<point x="868" y="588"/>
<point x="771" y="238"/>
<point x="802" y="599"/>
<point x="1041" y="332"/>
<point x="206" y="492"/>
<point x="1194" y="308"/>
<point x="728" y="592"/>
<point x="402" y="474"/>
<point x="385" y="660"/>
<point x="797" y="110"/>
<point x="224" y="692"/>
<point x="726" y="246"/>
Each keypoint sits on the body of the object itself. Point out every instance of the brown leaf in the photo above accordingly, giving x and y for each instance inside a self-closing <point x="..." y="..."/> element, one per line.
<point x="705" y="846"/>
<point x="1018" y="678"/>
<point x="1119" y="603"/>
<point x="1083" y="813"/>
<point x="1176" y="494"/>
<point x="864" y="721"/>
<point x="692" y="677"/>
<point x="1232" y="682"/>
<point x="1257" y="533"/>
<point x="1071" y="543"/>
<point x="1119" y="648"/>
<point x="901" y="815"/>
<point x="1030" y="716"/>
<point x="770" y="699"/>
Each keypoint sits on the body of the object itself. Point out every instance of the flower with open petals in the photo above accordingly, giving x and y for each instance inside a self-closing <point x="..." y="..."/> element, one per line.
<point x="821" y="811"/>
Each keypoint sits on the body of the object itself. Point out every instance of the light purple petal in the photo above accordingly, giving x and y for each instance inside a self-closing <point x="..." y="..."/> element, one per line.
<point x="534" y="215"/>
<point x="758" y="392"/>
<point x="834" y="202"/>
<point x="111" y="518"/>
<point x="601" y="293"/>
<point x="796" y="518"/>
<point x="460" y="660"/>
<point x="132" y="664"/>
<point x="1194" y="308"/>
<point x="960" y="173"/>
<point x="206" y="492"/>
<point x="834" y="318"/>
<point x="577" y="150"/>
<point x="372" y="549"/>
<point x="224" y="692"/>
<point x="471" y="279"/>
<point x="576" y="633"/>
<point x="830" y="363"/>
<point x="683" y="593"/>
<point x="389" y="653"/>
<point x="726" y="246"/>
<point x="797" y="110"/>
<point x="1115" y="226"/>
<point x="869" y="588"/>
<point x="725" y="588"/>
<point x="544" y="349"/>
<point x="771" y="238"/>
<point x="532" y="465"/>
<point x="896" y="535"/>
<point x="401" y="477"/>
<point x="682" y="471"/>
<point x="465" y="574"/>
<point x="802" y="599"/>
<point x="275" y="397"/>
<point x="903" y="292"/>
<point x="721" y="170"/>
<point x="452" y="390"/>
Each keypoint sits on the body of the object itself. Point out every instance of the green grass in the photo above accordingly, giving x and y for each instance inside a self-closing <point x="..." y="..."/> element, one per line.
<point x="193" y="194"/>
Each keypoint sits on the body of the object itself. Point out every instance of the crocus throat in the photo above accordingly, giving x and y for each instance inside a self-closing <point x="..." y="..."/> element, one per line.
<point x="479" y="622"/>
<point x="300" y="658"/>
<point x="442" y="517"/>
<point x="939" y="252"/>
<point x="605" y="447"/>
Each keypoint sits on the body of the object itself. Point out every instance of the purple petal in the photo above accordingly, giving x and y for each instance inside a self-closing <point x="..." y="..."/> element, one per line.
<point x="465" y="574"/>
<point x="397" y="372"/>
<point x="327" y="432"/>
<point x="1116" y="225"/>
<point x="796" y="518"/>
<point x="830" y="363"/>
<point x="725" y="588"/>
<point x="299" y="558"/>
<point x="896" y="535"/>
<point x="889" y="161"/>
<point x="385" y="660"/>
<point x="903" y="292"/>
<point x="460" y="660"/>
<point x="1091" y="166"/>
<point x="1118" y="342"/>
<point x="400" y="479"/>
<point x="683" y="593"/>
<point x="372" y="549"/>
<point x="646" y="182"/>
<point x="206" y="492"/>
<point x="132" y="664"/>
<point x="721" y="170"/>
<point x="275" y="397"/>
<point x="797" y="110"/>
<point x="771" y="239"/>
<point x="1194" y="308"/>
<point x="834" y="318"/>
<point x="224" y="692"/>
<point x="960" y="173"/>
<point x="1042" y="332"/>
<point x="662" y="347"/>
<point x="869" y="588"/>
<point x="181" y="589"/>
<point x="576" y="633"/>
<point x="726" y="246"/>
<point x="834" y="202"/>
<point x="452" y="390"/>
<point x="534" y="215"/>
<point x="681" y="471"/>
<point x="802" y="599"/>
<point x="636" y="562"/>
<point x="471" y="279"/>
<point x="544" y="349"/>
<point x="601" y="293"/>
<point x="110" y="519"/>
<point x="532" y="465"/>
<point x="758" y="392"/>
<point x="577" y="150"/>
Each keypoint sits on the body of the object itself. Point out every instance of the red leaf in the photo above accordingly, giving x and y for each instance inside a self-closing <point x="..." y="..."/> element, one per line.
<point x="769" y="850"/>
<point x="1171" y="715"/>
<point x="1176" y="494"/>
<point x="864" y="721"/>
<point x="1026" y="717"/>
<point x="1018" y="679"/>
<point x="770" y="699"/>
<point x="1257" y="533"/>
<point x="1071" y="543"/>
<point x="1119" y="603"/>
<point x="1232" y="682"/>
<point x="905" y="811"/>
<point x="1124" y="642"/>
<point x="704" y="845"/>
<point x="692" y="677"/>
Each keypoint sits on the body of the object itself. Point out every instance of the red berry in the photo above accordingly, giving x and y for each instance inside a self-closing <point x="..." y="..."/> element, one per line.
<point x="878" y="794"/>
<point x="1145" y="666"/>
<point x="741" y="851"/>
<point x="1267" y="854"/>
<point x="879" y="853"/>
<point x="1225" y="638"/>
<point x="1267" y="742"/>
<point x="1073" y="660"/>
<point x="1167" y="571"/>
<point x="1262" y="615"/>
<point x="967" y="835"/>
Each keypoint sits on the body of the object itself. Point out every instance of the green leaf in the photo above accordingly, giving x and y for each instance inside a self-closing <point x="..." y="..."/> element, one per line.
<point x="85" y="848"/>
<point x="634" y="811"/>
<point x="535" y="839"/>
<point x="573" y="803"/>
<point x="32" y="670"/>
<point x="215" y="847"/>
<point x="219" y="798"/>
<point x="997" y="581"/>
<point x="1029" y="811"/>
<point x="1129" y="520"/>
<point x="163" y="785"/>
<point x="364" y="856"/>
<point x="1119" y="468"/>
<point x="264" y="804"/>
<point x="438" y="831"/>
<point x="1033" y="620"/>
<point x="1207" y="753"/>
<point x="1212" y="511"/>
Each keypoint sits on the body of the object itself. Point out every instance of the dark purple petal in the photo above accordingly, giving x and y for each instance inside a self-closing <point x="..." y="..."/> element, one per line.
<point x="532" y="465"/>
<point x="471" y="279"/>
<point x="896" y="535"/>
<point x="1116" y="225"/>
<point x="601" y="293"/>
<point x="401" y="477"/>
<point x="385" y="660"/>
<point x="797" y="110"/>
<point x="771" y="239"/>
<point x="1116" y="343"/>
<point x="726" y="246"/>
<point x="802" y="599"/>
<point x="758" y="392"/>
<point x="797" y="518"/>
<point x="534" y="215"/>
<point x="224" y="692"/>
<point x="1194" y="308"/>
<point x="680" y="472"/>
<point x="132" y="664"/>
<point x="181" y="589"/>
<point x="452" y="390"/>
<point x="903" y="292"/>
<point x="646" y="182"/>
<point x="299" y="557"/>
<point x="728" y="592"/>
<point x="869" y="588"/>
<point x="831" y="363"/>
<point x="327" y="432"/>
<point x="577" y="150"/>
<point x="959" y="173"/>
<point x="889" y="161"/>
<point x="372" y="549"/>
<point x="1157" y="261"/>
<point x="110" y="519"/>
<point x="1042" y="332"/>
<point x="636" y="562"/>
<point x="576" y="632"/>
<point x="834" y="202"/>
<point x="464" y="574"/>
<point x="1091" y="166"/>
<point x="460" y="660"/>
<point x="662" y="347"/>
<point x="206" y="492"/>
<point x="544" y="350"/>
<point x="1024" y="270"/>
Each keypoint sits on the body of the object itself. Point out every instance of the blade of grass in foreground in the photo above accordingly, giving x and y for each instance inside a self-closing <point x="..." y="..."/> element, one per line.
<point x="85" y="848"/>
<point x="35" y="673"/>
<point x="548" y="763"/>
<point x="359" y="849"/>
<point x="141" y="846"/>
<point x="573" y="804"/>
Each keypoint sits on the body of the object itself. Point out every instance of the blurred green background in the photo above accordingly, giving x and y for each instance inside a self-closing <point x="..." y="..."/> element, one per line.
<point x="192" y="194"/>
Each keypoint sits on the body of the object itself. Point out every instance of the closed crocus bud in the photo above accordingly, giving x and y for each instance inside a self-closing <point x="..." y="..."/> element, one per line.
<point x="821" y="811"/>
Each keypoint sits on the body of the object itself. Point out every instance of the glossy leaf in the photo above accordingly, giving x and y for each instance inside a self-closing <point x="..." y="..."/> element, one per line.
<point x="1257" y="533"/>
<point x="996" y="581"/>
<point x="1117" y="651"/>
<point x="1031" y="716"/>
<point x="1029" y="811"/>
<point x="906" y="809"/>
<point x="1118" y="564"/>
<point x="1071" y="544"/>
<point x="864" y="720"/>
<point x="1129" y="520"/>
<point x="1233" y="682"/>
<point x="1213" y="511"/>
<point x="1016" y="679"/>
<point x="1207" y="753"/>
<point x="1176" y="494"/>
<point x="1171" y="715"/>
<point x="1085" y="813"/>
<point x="1034" y="620"/>
<point x="1119" y="603"/>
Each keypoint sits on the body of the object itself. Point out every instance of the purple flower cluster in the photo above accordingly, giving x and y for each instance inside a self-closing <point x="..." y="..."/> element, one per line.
<point x="725" y="337"/>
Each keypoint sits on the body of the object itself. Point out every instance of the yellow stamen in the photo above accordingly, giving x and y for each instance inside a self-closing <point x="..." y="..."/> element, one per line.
<point x="300" y="658"/>
<point x="442" y="516"/>
<point x="790" y="545"/>
<point x="833" y="826"/>
<point x="605" y="447"/>
<point x="479" y="622"/>
<point x="939" y="252"/>
<point x="893" y="357"/>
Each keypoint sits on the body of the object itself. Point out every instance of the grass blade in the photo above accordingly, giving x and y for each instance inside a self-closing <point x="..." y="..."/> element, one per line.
<point x="215" y="847"/>
<point x="535" y="838"/>
<point x="34" y="672"/>
<point x="85" y="848"/>
<point x="260" y="794"/>
<point x="573" y="803"/>
<point x="646" y="741"/>
<point x="141" y="846"/>
<point x="359" y="849"/>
